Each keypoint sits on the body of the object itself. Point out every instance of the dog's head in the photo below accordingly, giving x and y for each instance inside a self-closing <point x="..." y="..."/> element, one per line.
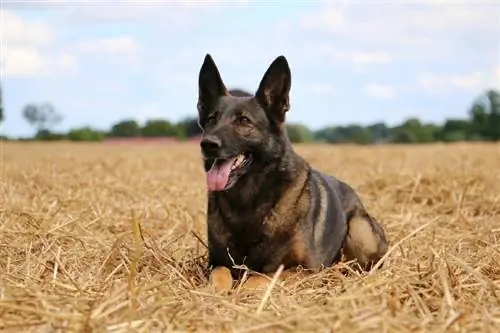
<point x="241" y="133"/>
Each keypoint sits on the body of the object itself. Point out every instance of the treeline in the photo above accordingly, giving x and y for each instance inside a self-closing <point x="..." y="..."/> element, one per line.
<point x="481" y="123"/>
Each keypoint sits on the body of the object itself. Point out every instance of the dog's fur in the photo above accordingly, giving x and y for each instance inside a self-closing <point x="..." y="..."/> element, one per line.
<point x="276" y="209"/>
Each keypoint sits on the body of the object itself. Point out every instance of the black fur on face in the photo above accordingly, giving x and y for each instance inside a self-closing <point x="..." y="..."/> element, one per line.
<point x="236" y="124"/>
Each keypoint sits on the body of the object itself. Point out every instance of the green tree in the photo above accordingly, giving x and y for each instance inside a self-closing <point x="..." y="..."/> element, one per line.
<point x="493" y="102"/>
<point x="485" y="116"/>
<point x="125" y="129"/>
<point x="454" y="130"/>
<point x="356" y="134"/>
<point x="379" y="132"/>
<point x="298" y="133"/>
<point x="162" y="128"/>
<point x="43" y="116"/>
<point x="345" y="134"/>
<point x="85" y="134"/>
<point x="327" y="134"/>
<point x="413" y="131"/>
<point x="190" y="126"/>
<point x="479" y="121"/>
<point x="46" y="135"/>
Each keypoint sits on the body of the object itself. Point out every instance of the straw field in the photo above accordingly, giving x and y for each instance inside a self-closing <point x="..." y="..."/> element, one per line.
<point x="72" y="258"/>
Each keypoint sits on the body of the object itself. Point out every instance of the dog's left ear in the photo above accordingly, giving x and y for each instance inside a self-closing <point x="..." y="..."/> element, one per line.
<point x="274" y="89"/>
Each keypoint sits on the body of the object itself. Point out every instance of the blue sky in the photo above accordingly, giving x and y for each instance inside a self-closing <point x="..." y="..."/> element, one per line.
<point x="360" y="62"/>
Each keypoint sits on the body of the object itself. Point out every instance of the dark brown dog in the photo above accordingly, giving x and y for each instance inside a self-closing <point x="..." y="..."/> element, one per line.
<point x="266" y="206"/>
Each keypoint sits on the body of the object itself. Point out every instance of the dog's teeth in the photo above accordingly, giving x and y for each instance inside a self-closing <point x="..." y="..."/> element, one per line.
<point x="237" y="161"/>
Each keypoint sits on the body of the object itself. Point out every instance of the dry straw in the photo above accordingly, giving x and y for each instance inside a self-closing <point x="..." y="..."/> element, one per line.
<point x="97" y="238"/>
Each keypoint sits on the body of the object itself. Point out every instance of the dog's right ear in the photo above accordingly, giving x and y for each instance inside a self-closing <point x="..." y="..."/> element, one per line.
<point x="210" y="86"/>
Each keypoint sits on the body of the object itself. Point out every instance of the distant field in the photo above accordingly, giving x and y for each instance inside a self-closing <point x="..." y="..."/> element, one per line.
<point x="67" y="247"/>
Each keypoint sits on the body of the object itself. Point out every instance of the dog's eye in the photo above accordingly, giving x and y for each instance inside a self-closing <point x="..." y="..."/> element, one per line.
<point x="244" y="120"/>
<point x="210" y="119"/>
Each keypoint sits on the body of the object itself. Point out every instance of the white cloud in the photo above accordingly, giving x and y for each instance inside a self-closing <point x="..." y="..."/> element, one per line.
<point x="20" y="48"/>
<point x="425" y="33"/>
<point x="452" y="15"/>
<point x="333" y="54"/>
<point x="170" y="15"/>
<point x="399" y="22"/>
<point x="107" y="14"/>
<point x="367" y="58"/>
<point x="473" y="82"/>
<point x="379" y="91"/>
<point x="19" y="61"/>
<point x="24" y="49"/>
<point x="29" y="62"/>
<point x="18" y="32"/>
<point x="121" y="48"/>
<point x="332" y="19"/>
<point x="402" y="29"/>
<point x="166" y="18"/>
<point x="496" y="77"/>
<point x="111" y="45"/>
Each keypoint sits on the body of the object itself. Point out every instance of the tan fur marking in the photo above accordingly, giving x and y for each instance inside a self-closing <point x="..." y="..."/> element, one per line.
<point x="221" y="278"/>
<point x="363" y="243"/>
<point x="256" y="282"/>
<point x="323" y="206"/>
<point x="262" y="281"/>
<point x="299" y="248"/>
<point x="283" y="206"/>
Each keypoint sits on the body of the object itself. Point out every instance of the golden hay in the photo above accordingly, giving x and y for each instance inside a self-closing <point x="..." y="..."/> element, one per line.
<point x="72" y="257"/>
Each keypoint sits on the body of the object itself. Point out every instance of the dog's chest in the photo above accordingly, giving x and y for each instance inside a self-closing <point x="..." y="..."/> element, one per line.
<point x="259" y="238"/>
<point x="260" y="255"/>
<point x="259" y="248"/>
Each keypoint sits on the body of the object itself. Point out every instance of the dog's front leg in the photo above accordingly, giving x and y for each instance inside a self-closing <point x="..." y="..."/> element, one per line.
<point x="221" y="279"/>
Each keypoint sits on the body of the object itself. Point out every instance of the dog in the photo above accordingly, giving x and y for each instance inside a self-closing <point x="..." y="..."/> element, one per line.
<point x="267" y="207"/>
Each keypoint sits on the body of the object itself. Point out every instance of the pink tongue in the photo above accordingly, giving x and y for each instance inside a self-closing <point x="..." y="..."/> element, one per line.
<point x="218" y="175"/>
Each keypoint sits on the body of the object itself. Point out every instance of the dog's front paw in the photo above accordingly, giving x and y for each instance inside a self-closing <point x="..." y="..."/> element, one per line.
<point x="221" y="279"/>
<point x="256" y="282"/>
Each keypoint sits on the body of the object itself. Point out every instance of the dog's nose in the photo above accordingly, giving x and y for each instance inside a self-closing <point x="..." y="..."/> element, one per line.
<point x="210" y="144"/>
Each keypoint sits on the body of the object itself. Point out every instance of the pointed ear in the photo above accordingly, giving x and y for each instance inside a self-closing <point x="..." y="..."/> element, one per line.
<point x="210" y="86"/>
<point x="274" y="89"/>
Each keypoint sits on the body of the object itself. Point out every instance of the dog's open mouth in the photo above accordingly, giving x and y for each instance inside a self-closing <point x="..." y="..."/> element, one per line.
<point x="223" y="173"/>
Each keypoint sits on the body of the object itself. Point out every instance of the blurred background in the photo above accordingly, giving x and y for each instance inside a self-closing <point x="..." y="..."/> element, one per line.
<point x="362" y="71"/>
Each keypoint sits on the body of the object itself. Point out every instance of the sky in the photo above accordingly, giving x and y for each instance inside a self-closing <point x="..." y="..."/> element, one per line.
<point x="352" y="62"/>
